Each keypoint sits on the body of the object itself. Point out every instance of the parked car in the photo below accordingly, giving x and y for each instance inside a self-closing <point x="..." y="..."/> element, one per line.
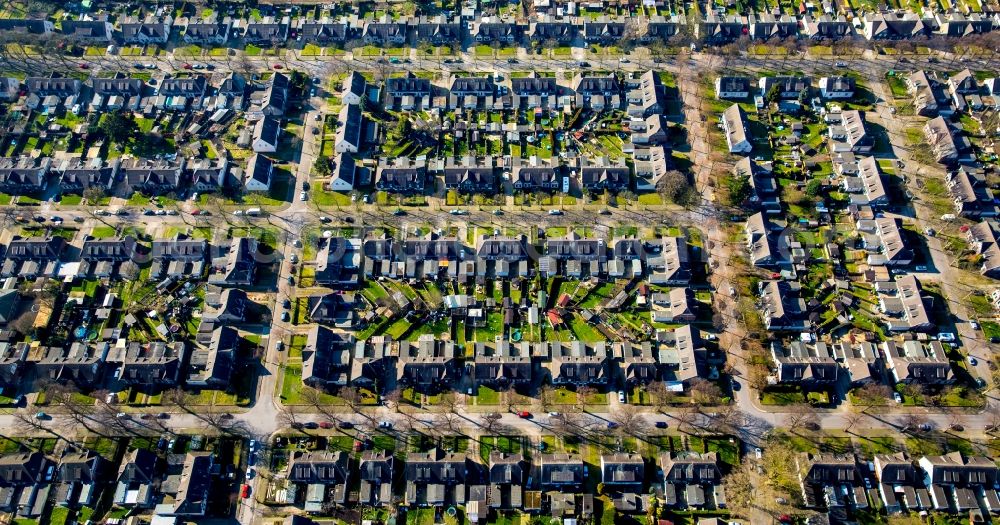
<point x="621" y="396"/>
<point x="555" y="212"/>
<point x="245" y="491"/>
<point x="896" y="397"/>
<point x="524" y="414"/>
<point x="385" y="424"/>
<point x="346" y="425"/>
<point x="661" y="424"/>
<point x="325" y="424"/>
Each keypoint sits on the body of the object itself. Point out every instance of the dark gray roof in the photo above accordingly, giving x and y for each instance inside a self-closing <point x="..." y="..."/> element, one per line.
<point x="463" y="85"/>
<point x="44" y="86"/>
<point x="114" y="249"/>
<point x="259" y="168"/>
<point x="153" y="31"/>
<point x="118" y="86"/>
<point x="36" y="248"/>
<point x="533" y="86"/>
<point x="409" y="85"/>
<point x="184" y="87"/>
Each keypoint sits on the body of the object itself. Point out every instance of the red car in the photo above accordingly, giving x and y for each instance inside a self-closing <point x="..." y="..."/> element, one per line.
<point x="84" y="66"/>
<point x="524" y="414"/>
<point x="245" y="491"/>
<point x="325" y="424"/>
<point x="186" y="66"/>
<point x="358" y="446"/>
<point x="278" y="66"/>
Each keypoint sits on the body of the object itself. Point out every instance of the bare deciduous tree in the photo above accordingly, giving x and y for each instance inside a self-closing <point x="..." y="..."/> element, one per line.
<point x="630" y="422"/>
<point x="491" y="422"/>
<point x="686" y="417"/>
<point x="705" y="392"/>
<point x="660" y="396"/>
<point x="582" y="395"/>
<point x="872" y="397"/>
<point x="801" y="416"/>
<point x="546" y="396"/>
<point x="450" y="421"/>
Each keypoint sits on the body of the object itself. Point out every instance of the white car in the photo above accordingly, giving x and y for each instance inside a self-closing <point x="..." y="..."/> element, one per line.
<point x="758" y="452"/>
<point x="974" y="325"/>
<point x="302" y="195"/>
<point x="946" y="337"/>
<point x="896" y="397"/>
<point x="621" y="396"/>
<point x="555" y="212"/>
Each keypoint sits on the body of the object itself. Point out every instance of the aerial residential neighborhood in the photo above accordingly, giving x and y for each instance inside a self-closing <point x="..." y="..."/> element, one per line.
<point x="501" y="262"/>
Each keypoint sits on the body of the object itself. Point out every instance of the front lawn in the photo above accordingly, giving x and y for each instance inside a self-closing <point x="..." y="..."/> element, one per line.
<point x="781" y="396"/>
<point x="487" y="396"/>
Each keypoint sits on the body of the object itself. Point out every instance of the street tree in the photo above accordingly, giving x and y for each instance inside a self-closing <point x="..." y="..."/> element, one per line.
<point x="911" y="422"/>
<point x="582" y="395"/>
<point x="630" y="422"/>
<point x="546" y="396"/>
<point x="872" y="397"/>
<point x="491" y="422"/>
<point x="392" y="399"/>
<point x="660" y="396"/>
<point x="510" y="399"/>
<point x="352" y="397"/>
<point x="450" y="421"/>
<point x="801" y="416"/>
<point x="686" y="417"/>
<point x="705" y="392"/>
